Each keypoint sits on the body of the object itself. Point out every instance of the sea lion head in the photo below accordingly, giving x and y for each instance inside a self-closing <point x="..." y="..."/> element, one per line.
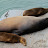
<point x="23" y="41"/>
<point x="35" y="12"/>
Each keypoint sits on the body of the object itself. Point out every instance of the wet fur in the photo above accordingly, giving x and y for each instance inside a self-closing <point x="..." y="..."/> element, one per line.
<point x="35" y="12"/>
<point x="11" y="38"/>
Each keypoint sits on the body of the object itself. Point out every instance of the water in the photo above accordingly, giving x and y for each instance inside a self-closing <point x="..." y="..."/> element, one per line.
<point x="6" y="5"/>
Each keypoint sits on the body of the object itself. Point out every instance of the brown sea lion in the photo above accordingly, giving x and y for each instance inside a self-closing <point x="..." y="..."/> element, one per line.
<point x="35" y="12"/>
<point x="11" y="38"/>
<point x="24" y="24"/>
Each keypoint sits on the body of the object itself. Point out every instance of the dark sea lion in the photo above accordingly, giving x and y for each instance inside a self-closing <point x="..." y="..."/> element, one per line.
<point x="11" y="38"/>
<point x="24" y="24"/>
<point x="35" y="12"/>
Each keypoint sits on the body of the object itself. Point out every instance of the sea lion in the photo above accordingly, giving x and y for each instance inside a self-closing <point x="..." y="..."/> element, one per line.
<point x="11" y="38"/>
<point x="35" y="12"/>
<point x="24" y="24"/>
